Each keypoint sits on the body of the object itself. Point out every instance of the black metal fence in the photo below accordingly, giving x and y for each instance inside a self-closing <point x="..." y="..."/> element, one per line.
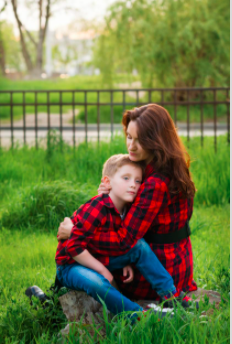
<point x="88" y="114"/>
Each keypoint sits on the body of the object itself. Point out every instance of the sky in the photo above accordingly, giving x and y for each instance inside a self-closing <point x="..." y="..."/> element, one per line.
<point x="86" y="9"/>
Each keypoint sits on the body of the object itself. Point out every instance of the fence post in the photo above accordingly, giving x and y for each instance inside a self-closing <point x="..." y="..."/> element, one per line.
<point x="73" y="112"/>
<point x="24" y="119"/>
<point x="202" y="119"/>
<point x="36" y="123"/>
<point x="215" y="120"/>
<point x="11" y="119"/>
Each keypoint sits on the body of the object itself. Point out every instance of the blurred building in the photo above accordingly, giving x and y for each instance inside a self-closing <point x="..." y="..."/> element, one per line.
<point x="71" y="52"/>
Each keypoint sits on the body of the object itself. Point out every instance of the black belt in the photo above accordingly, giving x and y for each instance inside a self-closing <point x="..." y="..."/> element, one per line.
<point x="168" y="238"/>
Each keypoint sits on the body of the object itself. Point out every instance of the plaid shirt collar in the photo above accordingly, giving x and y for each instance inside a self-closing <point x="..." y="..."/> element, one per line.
<point x="108" y="202"/>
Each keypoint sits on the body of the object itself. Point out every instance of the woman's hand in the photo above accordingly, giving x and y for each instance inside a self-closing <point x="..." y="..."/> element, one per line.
<point x="102" y="188"/>
<point x="128" y="271"/>
<point x="64" y="229"/>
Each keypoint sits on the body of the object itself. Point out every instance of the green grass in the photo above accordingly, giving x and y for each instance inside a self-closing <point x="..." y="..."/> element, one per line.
<point x="95" y="82"/>
<point x="39" y="187"/>
<point x="29" y="259"/>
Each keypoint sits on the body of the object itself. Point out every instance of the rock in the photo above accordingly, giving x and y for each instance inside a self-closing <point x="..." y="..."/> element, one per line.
<point x="78" y="306"/>
<point x="214" y="296"/>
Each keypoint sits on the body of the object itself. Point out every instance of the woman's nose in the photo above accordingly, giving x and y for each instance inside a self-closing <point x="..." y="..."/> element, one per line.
<point x="132" y="145"/>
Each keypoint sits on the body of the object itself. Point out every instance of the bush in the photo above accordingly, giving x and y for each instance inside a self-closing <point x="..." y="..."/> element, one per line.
<point x="45" y="205"/>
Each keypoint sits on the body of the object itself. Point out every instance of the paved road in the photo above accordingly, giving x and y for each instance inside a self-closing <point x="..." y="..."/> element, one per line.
<point x="92" y="134"/>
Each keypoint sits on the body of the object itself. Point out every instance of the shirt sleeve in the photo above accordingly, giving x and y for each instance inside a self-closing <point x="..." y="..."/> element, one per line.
<point x="84" y="228"/>
<point x="151" y="197"/>
<point x="190" y="208"/>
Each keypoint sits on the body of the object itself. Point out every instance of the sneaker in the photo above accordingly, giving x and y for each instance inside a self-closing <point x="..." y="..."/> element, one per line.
<point x="179" y="298"/>
<point x="37" y="292"/>
<point x="162" y="312"/>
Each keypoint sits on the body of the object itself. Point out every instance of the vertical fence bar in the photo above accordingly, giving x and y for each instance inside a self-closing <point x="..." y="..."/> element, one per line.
<point x="215" y="119"/>
<point x="48" y="102"/>
<point x="137" y="98"/>
<point x="228" y="116"/>
<point x="188" y="126"/>
<point x="111" y="114"/>
<point x="175" y="108"/>
<point x="162" y="97"/>
<point x="98" y="117"/>
<point x="123" y="101"/>
<point x="149" y="96"/>
<point x="36" y="121"/>
<point x="11" y="119"/>
<point x="73" y="112"/>
<point x="24" y="119"/>
<point x="202" y="119"/>
<point x="48" y="119"/>
<point x="61" y="120"/>
<point x="86" y="119"/>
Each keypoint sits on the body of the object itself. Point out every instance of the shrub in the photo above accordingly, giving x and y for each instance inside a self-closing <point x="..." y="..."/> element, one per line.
<point x="45" y="205"/>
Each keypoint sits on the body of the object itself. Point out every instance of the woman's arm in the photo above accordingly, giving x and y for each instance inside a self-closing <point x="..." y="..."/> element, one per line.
<point x="151" y="197"/>
<point x="64" y="229"/>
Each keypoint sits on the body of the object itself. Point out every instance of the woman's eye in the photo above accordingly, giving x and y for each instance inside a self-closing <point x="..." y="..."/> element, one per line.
<point x="129" y="137"/>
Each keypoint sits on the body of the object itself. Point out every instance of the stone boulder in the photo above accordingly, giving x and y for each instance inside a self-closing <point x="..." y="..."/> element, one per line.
<point x="78" y="306"/>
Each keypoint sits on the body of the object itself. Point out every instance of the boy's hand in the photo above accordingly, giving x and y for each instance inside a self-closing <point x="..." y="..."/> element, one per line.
<point x="64" y="229"/>
<point x="128" y="271"/>
<point x="102" y="188"/>
<point x="108" y="275"/>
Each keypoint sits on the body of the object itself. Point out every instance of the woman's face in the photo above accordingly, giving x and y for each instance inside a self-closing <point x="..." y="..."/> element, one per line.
<point x="135" y="150"/>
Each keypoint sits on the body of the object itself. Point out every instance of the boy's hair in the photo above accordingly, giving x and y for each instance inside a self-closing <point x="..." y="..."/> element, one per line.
<point x="116" y="161"/>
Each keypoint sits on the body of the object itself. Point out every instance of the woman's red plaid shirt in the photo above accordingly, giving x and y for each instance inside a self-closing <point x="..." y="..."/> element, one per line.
<point x="155" y="209"/>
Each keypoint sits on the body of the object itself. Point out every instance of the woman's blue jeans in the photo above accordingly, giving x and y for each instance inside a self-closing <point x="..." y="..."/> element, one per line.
<point x="77" y="277"/>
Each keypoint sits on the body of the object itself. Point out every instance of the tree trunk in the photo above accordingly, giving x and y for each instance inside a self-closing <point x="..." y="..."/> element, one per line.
<point x="34" y="70"/>
<point x="2" y="57"/>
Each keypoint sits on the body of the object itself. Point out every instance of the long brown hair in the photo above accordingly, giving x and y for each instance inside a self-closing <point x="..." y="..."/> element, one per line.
<point x="157" y="135"/>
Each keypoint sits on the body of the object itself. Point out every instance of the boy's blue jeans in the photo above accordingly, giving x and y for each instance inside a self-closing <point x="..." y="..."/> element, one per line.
<point x="77" y="277"/>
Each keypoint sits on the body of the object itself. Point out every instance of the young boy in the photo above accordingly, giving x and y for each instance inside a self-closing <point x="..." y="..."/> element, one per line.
<point x="85" y="263"/>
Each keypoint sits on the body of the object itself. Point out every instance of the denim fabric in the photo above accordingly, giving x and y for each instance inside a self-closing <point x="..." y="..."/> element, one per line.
<point x="78" y="277"/>
<point x="148" y="264"/>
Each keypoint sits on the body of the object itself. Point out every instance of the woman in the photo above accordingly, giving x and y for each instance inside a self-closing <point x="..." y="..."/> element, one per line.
<point x="164" y="204"/>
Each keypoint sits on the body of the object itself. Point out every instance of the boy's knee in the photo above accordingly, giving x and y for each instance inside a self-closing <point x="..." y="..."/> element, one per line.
<point x="142" y="245"/>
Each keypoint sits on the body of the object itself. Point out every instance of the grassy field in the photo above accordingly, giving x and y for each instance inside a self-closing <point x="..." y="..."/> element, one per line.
<point x="38" y="188"/>
<point x="95" y="82"/>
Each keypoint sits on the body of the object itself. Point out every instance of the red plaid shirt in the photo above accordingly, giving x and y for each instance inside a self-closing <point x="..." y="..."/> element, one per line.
<point x="93" y="218"/>
<point x="157" y="210"/>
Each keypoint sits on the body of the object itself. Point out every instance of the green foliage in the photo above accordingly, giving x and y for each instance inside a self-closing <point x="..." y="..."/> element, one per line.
<point x="210" y="171"/>
<point x="13" y="58"/>
<point x="40" y="187"/>
<point x="45" y="205"/>
<point x="170" y="43"/>
<point x="29" y="260"/>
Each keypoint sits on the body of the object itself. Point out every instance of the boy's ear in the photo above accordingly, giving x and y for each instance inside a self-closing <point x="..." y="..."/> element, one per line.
<point x="106" y="181"/>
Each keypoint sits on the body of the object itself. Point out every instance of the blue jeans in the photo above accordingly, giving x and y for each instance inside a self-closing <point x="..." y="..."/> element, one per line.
<point x="77" y="277"/>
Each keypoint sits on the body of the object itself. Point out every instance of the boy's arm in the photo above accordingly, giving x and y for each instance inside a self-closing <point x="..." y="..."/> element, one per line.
<point x="85" y="226"/>
<point x="86" y="259"/>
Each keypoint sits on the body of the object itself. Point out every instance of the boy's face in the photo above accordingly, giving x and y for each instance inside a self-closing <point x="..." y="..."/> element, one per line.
<point x="126" y="182"/>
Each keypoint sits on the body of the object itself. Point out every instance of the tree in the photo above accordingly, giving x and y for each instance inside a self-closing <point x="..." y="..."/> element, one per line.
<point x="2" y="47"/>
<point x="171" y="43"/>
<point x="34" y="68"/>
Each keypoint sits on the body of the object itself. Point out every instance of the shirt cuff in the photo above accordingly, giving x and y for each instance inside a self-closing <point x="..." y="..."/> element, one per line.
<point x="75" y="252"/>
